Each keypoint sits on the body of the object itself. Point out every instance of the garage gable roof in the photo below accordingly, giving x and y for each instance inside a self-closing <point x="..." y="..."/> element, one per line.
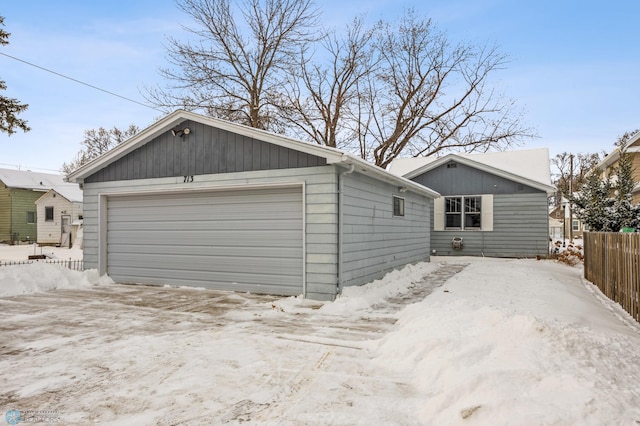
<point x="169" y="122"/>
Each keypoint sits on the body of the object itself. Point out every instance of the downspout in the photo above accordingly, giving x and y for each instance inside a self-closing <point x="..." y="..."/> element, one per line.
<point x="341" y="176"/>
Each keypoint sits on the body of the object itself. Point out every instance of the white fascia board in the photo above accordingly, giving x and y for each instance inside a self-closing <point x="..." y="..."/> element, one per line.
<point x="549" y="189"/>
<point x="164" y="124"/>
<point x="379" y="173"/>
<point x="169" y="122"/>
<point x="614" y="155"/>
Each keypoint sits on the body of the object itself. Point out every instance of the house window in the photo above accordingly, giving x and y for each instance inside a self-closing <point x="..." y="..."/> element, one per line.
<point x="31" y="217"/>
<point x="472" y="212"/>
<point x="453" y="212"/>
<point x="576" y="225"/>
<point x="398" y="206"/>
<point x="459" y="213"/>
<point x="48" y="214"/>
<point x="463" y="212"/>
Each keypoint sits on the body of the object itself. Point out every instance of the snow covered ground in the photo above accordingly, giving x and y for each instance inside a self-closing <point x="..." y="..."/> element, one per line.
<point x="23" y="251"/>
<point x="456" y="341"/>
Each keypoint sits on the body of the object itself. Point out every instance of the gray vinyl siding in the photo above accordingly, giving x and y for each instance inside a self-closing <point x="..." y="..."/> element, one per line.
<point x="320" y="212"/>
<point x="520" y="229"/>
<point x="206" y="150"/>
<point x="465" y="180"/>
<point x="520" y="214"/>
<point x="376" y="242"/>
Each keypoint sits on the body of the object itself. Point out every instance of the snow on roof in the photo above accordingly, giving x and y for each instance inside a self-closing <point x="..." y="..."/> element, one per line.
<point x="26" y="179"/>
<point x="532" y="164"/>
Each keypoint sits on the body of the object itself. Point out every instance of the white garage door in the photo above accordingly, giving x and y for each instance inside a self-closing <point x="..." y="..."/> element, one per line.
<point x="241" y="240"/>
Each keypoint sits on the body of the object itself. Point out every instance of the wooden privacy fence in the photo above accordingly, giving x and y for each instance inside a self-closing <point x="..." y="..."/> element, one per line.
<point x="612" y="262"/>
<point x="76" y="265"/>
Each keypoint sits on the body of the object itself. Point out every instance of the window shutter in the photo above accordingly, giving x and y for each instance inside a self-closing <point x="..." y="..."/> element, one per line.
<point x="438" y="214"/>
<point x="487" y="212"/>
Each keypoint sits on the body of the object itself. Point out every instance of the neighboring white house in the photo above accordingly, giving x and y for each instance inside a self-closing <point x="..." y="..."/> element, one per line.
<point x="59" y="213"/>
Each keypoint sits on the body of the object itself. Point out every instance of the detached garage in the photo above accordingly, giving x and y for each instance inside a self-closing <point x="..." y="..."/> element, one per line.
<point x="197" y="201"/>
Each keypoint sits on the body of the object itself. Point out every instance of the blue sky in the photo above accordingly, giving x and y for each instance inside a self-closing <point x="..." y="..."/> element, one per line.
<point x="574" y="66"/>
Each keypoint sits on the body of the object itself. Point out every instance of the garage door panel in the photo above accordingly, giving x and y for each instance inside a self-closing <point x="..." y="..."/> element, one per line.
<point x="204" y="212"/>
<point x="188" y="254"/>
<point x="225" y="240"/>
<point x="224" y="200"/>
<point x="196" y="267"/>
<point x="242" y="238"/>
<point x="220" y="281"/>
<point x="282" y="224"/>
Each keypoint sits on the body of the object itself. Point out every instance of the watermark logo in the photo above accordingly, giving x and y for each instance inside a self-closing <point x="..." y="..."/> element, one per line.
<point x="13" y="417"/>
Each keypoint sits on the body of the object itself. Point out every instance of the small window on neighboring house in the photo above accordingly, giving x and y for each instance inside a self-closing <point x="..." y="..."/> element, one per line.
<point x="576" y="225"/>
<point x="398" y="206"/>
<point x="48" y="214"/>
<point x="31" y="217"/>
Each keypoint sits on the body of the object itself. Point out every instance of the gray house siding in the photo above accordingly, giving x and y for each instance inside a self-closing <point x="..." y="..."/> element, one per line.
<point x="520" y="229"/>
<point x="520" y="214"/>
<point x="465" y="180"/>
<point x="206" y="150"/>
<point x="320" y="215"/>
<point x="376" y="242"/>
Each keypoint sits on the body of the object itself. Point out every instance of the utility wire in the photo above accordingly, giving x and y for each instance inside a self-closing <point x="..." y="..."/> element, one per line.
<point x="81" y="82"/>
<point x="20" y="167"/>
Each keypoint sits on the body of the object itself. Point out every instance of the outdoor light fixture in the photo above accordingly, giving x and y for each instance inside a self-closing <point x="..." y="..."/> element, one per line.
<point x="180" y="132"/>
<point x="402" y="189"/>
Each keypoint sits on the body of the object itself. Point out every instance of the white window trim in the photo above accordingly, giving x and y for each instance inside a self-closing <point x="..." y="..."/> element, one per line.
<point x="486" y="214"/>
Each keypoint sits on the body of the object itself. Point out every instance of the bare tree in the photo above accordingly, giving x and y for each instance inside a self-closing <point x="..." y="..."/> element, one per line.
<point x="430" y="96"/>
<point x="402" y="89"/>
<point x="96" y="143"/>
<point x="10" y="107"/>
<point x="235" y="68"/>
<point x="396" y="89"/>
<point x="624" y="139"/>
<point x="567" y="180"/>
<point x="319" y="104"/>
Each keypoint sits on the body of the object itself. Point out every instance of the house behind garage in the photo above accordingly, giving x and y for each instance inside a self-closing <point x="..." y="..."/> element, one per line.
<point x="59" y="214"/>
<point x="19" y="191"/>
<point x="197" y="201"/>
<point x="493" y="204"/>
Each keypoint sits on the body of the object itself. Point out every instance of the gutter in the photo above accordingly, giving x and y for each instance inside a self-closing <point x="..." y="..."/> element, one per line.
<point x="381" y="174"/>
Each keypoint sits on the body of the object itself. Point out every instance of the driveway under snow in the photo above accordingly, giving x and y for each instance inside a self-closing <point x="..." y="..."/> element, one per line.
<point x="455" y="341"/>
